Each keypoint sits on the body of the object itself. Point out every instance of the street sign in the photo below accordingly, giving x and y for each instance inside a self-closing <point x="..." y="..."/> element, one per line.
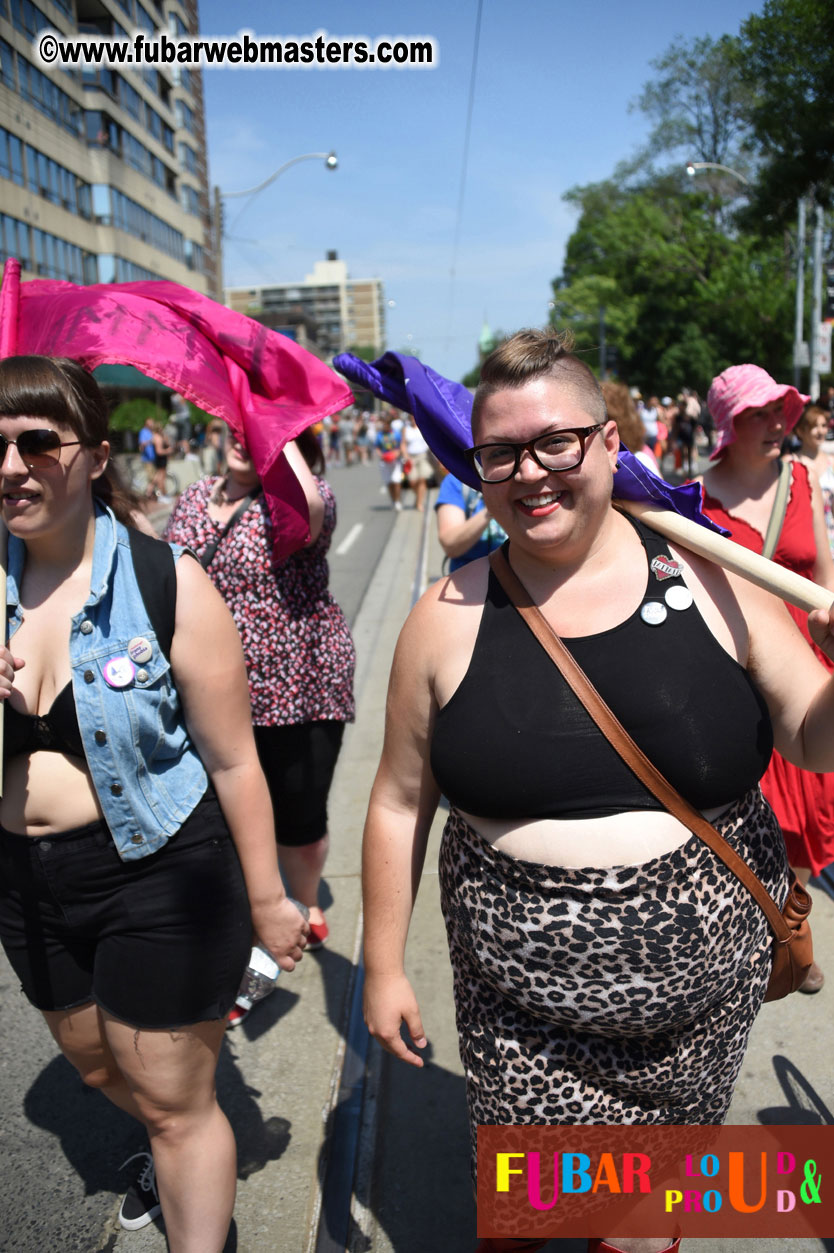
<point x="802" y="354"/>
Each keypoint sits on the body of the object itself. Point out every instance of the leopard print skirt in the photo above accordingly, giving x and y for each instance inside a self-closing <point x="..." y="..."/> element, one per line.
<point x="624" y="995"/>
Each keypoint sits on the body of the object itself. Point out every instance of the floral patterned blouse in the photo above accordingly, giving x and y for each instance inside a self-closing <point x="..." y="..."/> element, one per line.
<point x="297" y="644"/>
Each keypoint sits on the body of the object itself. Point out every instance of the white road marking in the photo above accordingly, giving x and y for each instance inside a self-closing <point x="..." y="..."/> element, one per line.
<point x="350" y="539"/>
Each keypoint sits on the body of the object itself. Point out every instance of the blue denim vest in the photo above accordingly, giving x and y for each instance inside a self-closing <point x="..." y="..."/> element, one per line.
<point x="145" y="769"/>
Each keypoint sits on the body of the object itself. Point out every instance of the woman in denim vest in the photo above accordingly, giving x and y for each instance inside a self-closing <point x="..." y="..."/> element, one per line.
<point x="137" y="851"/>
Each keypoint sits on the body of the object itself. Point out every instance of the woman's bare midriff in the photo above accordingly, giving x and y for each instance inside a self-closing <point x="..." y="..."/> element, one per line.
<point x="599" y="843"/>
<point x="46" y="793"/>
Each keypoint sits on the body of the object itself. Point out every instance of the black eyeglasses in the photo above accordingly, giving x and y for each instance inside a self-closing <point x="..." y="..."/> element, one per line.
<point x="38" y="448"/>
<point x="558" y="450"/>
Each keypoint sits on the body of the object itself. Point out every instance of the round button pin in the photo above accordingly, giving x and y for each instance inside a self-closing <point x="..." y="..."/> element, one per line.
<point x="139" y="650"/>
<point x="653" y="612"/>
<point x="678" y="597"/>
<point x="119" y="672"/>
<point x="86" y="627"/>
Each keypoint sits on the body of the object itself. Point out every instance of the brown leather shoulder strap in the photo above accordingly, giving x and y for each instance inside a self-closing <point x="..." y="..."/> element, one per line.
<point x="632" y="755"/>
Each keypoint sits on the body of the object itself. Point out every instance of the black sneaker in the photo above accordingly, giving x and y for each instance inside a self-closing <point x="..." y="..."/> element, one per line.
<point x="141" y="1201"/>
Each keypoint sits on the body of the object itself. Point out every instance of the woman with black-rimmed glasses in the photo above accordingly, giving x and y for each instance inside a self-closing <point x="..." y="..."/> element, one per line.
<point x="137" y="849"/>
<point x="607" y="965"/>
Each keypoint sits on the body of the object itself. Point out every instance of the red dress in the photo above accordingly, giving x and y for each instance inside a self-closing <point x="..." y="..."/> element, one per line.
<point x="803" y="802"/>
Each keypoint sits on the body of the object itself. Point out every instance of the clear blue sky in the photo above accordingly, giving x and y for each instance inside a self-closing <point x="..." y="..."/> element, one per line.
<point x="554" y="82"/>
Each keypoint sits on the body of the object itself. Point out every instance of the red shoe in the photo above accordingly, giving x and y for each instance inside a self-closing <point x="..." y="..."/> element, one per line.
<point x="599" y="1246"/>
<point x="237" y="1015"/>
<point x="319" y="931"/>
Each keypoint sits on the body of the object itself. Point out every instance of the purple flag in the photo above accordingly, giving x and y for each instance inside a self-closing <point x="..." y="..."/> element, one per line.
<point x="442" y="410"/>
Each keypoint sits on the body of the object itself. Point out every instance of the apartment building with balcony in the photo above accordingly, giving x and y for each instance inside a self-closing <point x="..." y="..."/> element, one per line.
<point x="103" y="171"/>
<point x="345" y="310"/>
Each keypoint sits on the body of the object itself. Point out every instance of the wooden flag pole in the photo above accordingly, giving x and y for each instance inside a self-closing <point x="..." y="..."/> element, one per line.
<point x="725" y="552"/>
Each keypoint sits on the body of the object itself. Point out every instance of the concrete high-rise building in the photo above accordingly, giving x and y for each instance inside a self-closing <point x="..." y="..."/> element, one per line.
<point x="347" y="311"/>
<point x="103" y="171"/>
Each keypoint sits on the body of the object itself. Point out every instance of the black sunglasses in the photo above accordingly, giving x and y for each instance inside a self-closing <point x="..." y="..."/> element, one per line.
<point x="557" y="450"/>
<point x="38" y="448"/>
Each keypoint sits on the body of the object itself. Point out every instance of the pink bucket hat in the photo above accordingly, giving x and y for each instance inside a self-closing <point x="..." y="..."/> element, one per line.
<point x="743" y="387"/>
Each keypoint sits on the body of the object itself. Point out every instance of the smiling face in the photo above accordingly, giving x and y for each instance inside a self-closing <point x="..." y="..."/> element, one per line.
<point x="545" y="509"/>
<point x="38" y="500"/>
<point x="56" y="394"/>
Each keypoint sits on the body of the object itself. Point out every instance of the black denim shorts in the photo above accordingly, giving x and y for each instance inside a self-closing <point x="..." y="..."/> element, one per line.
<point x="158" y="942"/>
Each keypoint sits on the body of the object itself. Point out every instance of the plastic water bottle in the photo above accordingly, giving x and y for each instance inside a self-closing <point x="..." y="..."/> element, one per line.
<point x="262" y="972"/>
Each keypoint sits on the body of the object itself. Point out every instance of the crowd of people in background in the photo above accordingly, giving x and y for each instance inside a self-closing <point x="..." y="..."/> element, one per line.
<point x="674" y="427"/>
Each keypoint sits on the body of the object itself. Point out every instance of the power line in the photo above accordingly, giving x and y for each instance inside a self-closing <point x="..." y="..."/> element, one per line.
<point x="464" y="170"/>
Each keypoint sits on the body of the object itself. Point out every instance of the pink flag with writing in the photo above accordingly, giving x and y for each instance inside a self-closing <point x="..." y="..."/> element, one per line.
<point x="265" y="386"/>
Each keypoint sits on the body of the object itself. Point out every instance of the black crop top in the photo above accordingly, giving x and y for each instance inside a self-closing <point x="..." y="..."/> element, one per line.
<point x="55" y="732"/>
<point x="515" y="743"/>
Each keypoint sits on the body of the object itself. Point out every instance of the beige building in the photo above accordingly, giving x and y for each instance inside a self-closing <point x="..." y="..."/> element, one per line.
<point x="103" y="172"/>
<point x="347" y="311"/>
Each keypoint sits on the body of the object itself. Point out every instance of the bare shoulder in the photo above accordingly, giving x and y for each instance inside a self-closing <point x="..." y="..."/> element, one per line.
<point x="198" y="598"/>
<point x="191" y="577"/>
<point x="452" y="595"/>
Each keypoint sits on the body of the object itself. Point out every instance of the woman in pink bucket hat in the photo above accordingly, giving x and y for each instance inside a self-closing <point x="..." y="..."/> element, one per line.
<point x="775" y="507"/>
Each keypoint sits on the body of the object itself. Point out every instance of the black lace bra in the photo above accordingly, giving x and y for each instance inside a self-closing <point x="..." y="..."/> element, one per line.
<point x="54" y="732"/>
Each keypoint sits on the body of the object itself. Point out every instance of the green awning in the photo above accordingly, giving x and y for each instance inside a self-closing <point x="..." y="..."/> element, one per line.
<point x="127" y="376"/>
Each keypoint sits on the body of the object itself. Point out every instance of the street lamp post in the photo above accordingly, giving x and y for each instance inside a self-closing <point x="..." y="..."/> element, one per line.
<point x="331" y="162"/>
<point x="799" y="319"/>
<point x="816" y="307"/>
<point x="693" y="166"/>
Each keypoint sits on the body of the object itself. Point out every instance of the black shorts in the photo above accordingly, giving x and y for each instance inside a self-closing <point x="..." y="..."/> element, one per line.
<point x="298" y="762"/>
<point x="160" y="461"/>
<point x="158" y="942"/>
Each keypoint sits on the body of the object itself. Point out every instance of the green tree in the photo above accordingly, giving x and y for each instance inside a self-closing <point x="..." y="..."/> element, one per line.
<point x="199" y="417"/>
<point x="131" y="415"/>
<point x="698" y="102"/>
<point x="365" y="352"/>
<point x="682" y="297"/>
<point x="787" y="60"/>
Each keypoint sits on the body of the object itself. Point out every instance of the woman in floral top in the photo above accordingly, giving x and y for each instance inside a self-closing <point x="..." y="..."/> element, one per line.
<point x="298" y="648"/>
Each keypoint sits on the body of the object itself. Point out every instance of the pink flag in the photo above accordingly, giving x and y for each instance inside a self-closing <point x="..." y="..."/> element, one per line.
<point x="9" y="303"/>
<point x="266" y="387"/>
